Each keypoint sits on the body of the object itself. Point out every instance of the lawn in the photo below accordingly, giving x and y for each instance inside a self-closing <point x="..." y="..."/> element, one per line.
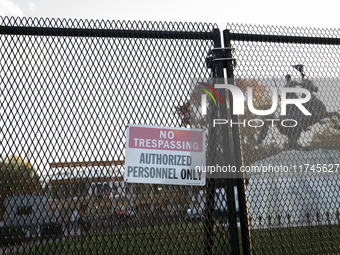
<point x="188" y="238"/>
<point x="297" y="240"/>
<point x="185" y="238"/>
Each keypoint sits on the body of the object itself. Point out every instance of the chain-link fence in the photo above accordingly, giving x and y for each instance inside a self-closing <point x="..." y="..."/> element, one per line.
<point x="291" y="158"/>
<point x="70" y="88"/>
<point x="68" y="91"/>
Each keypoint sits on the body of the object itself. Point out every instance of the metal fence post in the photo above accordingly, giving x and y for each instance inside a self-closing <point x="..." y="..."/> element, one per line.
<point x="211" y="185"/>
<point x="245" y="231"/>
<point x="222" y="155"/>
<point x="228" y="183"/>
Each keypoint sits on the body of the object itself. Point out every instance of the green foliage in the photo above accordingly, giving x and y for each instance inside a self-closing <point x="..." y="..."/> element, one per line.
<point x="17" y="177"/>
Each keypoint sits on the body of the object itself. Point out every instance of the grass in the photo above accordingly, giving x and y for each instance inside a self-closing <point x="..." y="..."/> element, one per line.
<point x="297" y="240"/>
<point x="185" y="238"/>
<point x="189" y="238"/>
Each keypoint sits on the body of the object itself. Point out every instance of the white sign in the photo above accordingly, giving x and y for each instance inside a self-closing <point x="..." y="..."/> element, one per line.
<point x="164" y="155"/>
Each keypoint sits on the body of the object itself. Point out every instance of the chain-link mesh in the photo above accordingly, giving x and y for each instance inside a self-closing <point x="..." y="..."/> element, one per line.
<point x="69" y="88"/>
<point x="292" y="184"/>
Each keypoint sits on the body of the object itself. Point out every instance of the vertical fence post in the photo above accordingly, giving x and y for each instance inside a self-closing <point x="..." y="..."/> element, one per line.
<point x="226" y="159"/>
<point x="245" y="231"/>
<point x="209" y="220"/>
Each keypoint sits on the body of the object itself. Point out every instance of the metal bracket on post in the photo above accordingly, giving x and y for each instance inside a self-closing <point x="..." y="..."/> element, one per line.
<point x="222" y="54"/>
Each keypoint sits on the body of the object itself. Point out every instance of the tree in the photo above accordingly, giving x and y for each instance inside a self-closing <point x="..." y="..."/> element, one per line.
<point x="17" y="176"/>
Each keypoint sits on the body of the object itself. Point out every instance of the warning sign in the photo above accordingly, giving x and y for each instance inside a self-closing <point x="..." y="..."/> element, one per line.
<point x="164" y="155"/>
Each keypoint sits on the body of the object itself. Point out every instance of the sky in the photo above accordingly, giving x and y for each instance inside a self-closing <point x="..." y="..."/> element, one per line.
<point x="322" y="14"/>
